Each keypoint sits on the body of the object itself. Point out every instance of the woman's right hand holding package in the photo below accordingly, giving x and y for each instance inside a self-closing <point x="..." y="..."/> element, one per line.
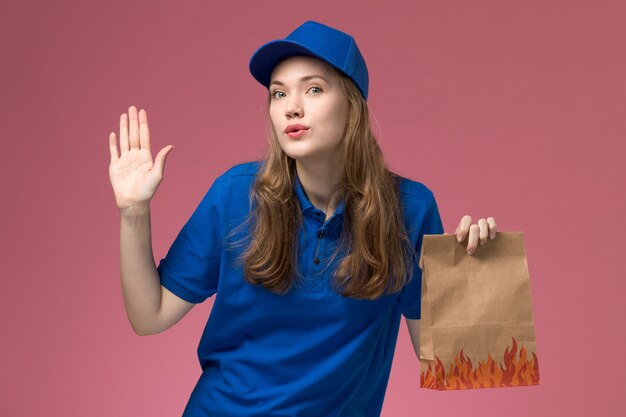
<point x="134" y="176"/>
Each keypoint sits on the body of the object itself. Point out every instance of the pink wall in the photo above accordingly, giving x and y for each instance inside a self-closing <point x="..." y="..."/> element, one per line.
<point x="503" y="108"/>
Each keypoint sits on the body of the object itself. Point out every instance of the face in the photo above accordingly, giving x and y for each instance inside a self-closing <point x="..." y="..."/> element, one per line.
<point x="306" y="91"/>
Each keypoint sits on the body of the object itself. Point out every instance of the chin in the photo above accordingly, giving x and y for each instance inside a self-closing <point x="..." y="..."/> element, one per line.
<point x="298" y="156"/>
<point x="298" y="152"/>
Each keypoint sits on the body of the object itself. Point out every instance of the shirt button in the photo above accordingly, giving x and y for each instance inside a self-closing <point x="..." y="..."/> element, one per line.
<point x="317" y="213"/>
<point x="319" y="235"/>
<point x="316" y="261"/>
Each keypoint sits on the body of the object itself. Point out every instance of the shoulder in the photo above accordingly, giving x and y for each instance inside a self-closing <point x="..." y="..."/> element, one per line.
<point x="421" y="213"/>
<point x="243" y="169"/>
<point x="231" y="189"/>
<point x="238" y="177"/>
<point x="414" y="192"/>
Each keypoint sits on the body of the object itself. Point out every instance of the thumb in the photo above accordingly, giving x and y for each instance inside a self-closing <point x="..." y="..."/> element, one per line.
<point x="159" y="161"/>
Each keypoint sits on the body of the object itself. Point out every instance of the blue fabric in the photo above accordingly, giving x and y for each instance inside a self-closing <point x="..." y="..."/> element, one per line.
<point x="310" y="352"/>
<point x="312" y="38"/>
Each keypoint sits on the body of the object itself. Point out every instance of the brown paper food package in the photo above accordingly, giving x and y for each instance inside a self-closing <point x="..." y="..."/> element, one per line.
<point x="477" y="328"/>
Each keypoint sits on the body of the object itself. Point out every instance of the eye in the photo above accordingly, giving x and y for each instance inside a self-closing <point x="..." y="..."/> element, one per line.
<point x="273" y="95"/>
<point x="320" y="90"/>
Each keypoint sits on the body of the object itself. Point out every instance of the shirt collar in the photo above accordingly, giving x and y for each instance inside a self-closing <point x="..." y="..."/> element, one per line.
<point x="306" y="205"/>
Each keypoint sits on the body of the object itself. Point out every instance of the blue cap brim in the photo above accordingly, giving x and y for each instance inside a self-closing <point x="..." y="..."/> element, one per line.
<point x="265" y="58"/>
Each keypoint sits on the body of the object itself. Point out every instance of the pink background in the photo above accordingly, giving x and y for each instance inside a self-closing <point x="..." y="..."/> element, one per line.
<point x="503" y="108"/>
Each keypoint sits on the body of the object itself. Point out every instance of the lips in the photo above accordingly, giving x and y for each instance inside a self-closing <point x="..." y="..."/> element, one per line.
<point x="296" y="127"/>
<point x="296" y="133"/>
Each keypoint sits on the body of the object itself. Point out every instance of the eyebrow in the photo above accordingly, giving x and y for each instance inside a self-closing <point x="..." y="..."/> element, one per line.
<point x="303" y="79"/>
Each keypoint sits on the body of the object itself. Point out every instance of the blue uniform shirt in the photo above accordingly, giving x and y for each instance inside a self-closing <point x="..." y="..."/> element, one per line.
<point x="310" y="352"/>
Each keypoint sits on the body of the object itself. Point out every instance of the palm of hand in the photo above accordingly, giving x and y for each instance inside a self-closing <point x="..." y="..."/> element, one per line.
<point x="134" y="176"/>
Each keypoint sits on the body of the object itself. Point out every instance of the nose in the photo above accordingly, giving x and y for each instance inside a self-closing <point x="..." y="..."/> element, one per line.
<point x="294" y="107"/>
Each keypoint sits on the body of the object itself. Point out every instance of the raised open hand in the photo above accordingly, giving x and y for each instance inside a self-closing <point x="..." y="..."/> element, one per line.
<point x="134" y="177"/>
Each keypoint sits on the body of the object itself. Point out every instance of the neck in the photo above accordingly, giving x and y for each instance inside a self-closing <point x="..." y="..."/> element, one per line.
<point x="321" y="183"/>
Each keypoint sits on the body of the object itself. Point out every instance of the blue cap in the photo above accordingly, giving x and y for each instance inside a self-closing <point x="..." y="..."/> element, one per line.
<point x="313" y="39"/>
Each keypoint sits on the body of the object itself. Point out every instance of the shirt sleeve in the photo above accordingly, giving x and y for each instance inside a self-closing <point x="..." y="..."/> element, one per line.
<point x="191" y="266"/>
<point x="410" y="296"/>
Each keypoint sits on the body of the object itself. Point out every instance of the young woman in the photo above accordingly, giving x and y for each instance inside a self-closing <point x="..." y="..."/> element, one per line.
<point x="311" y="252"/>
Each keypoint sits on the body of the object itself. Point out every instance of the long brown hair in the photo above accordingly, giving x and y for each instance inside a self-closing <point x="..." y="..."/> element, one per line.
<point x="377" y="252"/>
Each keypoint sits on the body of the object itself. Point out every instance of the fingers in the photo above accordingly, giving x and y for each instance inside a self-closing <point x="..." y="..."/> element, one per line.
<point x="134" y="132"/>
<point x="144" y="132"/>
<point x="492" y="227"/>
<point x="463" y="228"/>
<point x="472" y="243"/>
<point x="123" y="133"/>
<point x="113" y="147"/>
<point x="483" y="231"/>
<point x="479" y="233"/>
<point x="159" y="160"/>
<point x="133" y="128"/>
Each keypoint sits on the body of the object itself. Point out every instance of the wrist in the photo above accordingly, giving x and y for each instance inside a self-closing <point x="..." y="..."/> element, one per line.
<point x="134" y="211"/>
